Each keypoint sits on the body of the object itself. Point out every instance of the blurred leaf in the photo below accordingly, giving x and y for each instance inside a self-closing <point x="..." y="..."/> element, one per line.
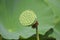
<point x="47" y="11"/>
<point x="42" y="37"/>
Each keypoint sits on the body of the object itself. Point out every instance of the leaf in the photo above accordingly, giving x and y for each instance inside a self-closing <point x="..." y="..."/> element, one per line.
<point x="42" y="37"/>
<point x="47" y="11"/>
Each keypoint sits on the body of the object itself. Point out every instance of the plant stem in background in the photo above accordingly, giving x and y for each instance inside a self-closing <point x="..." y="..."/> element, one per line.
<point x="37" y="34"/>
<point x="36" y="26"/>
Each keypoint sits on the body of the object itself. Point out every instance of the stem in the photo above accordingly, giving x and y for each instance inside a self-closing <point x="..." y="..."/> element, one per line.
<point x="37" y="34"/>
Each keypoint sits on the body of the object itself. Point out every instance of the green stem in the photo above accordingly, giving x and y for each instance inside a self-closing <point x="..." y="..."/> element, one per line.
<point x="37" y="34"/>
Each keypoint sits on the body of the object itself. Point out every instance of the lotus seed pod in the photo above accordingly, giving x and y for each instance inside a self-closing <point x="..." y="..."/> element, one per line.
<point x="27" y="17"/>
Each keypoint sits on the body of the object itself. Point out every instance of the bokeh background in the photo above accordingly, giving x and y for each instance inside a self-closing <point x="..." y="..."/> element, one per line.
<point x="48" y="16"/>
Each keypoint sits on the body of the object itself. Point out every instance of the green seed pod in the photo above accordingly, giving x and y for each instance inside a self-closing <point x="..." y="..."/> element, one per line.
<point x="27" y="17"/>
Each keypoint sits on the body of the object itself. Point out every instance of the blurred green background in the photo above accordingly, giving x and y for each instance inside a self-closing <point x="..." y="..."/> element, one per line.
<point x="47" y="11"/>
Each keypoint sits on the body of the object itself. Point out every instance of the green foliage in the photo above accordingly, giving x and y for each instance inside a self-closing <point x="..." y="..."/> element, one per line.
<point x="47" y="11"/>
<point x="42" y="37"/>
